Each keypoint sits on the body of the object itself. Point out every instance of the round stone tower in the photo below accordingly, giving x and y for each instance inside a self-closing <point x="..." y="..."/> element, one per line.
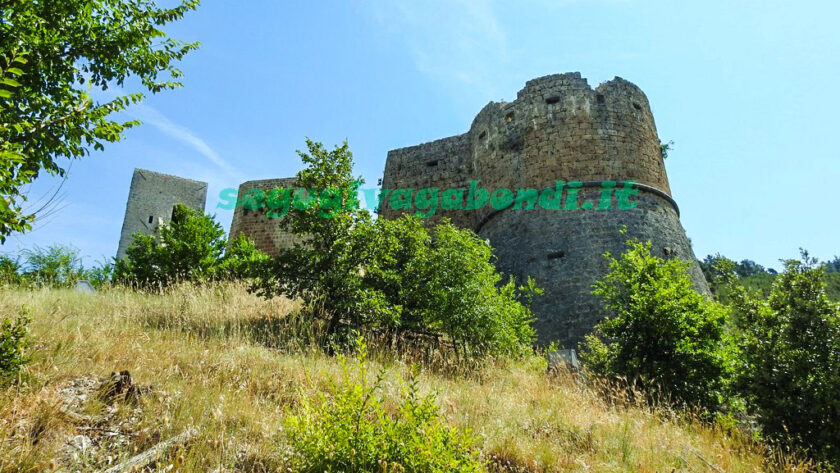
<point x="558" y="129"/>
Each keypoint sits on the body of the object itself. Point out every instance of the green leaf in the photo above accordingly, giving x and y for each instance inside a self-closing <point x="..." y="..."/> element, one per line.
<point x="15" y="71"/>
<point x="5" y="94"/>
<point x="11" y="82"/>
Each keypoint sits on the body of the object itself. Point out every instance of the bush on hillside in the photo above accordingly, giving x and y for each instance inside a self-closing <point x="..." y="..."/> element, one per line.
<point x="190" y="248"/>
<point x="100" y="274"/>
<point x="397" y="278"/>
<point x="241" y="260"/>
<point x="348" y="429"/>
<point x="53" y="266"/>
<point x="13" y="343"/>
<point x="660" y="335"/>
<point x="789" y="367"/>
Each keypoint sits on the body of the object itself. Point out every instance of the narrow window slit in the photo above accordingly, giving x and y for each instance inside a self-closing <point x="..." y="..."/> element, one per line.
<point x="556" y="255"/>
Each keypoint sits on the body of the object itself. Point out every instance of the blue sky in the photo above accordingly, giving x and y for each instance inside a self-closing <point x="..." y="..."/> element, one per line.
<point x="747" y="91"/>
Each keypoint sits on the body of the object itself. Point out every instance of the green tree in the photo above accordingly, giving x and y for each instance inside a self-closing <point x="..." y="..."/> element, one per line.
<point x="660" y="334"/>
<point x="52" y="54"/>
<point x="789" y="368"/>
<point x="55" y="266"/>
<point x="441" y="281"/>
<point x="241" y="260"/>
<point x="323" y="266"/>
<point x="188" y="249"/>
<point x="393" y="276"/>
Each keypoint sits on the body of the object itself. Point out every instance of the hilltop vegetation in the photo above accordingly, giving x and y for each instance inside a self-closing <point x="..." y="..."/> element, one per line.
<point x="236" y="367"/>
<point x="747" y="368"/>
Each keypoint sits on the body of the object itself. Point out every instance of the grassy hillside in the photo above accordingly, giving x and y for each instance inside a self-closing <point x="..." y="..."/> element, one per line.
<point x="232" y="366"/>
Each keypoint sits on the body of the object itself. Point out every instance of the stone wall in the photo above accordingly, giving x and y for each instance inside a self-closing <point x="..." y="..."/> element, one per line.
<point x="256" y="223"/>
<point x="558" y="128"/>
<point x="151" y="199"/>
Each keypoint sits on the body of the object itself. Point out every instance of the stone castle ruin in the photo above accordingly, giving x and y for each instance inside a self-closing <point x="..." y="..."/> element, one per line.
<point x="151" y="200"/>
<point x="253" y="222"/>
<point x="559" y="134"/>
<point x="557" y="129"/>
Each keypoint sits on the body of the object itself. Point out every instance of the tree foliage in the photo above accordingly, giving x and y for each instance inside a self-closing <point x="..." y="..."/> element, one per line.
<point x="13" y="343"/>
<point x="52" y="54"/>
<point x="190" y="248"/>
<point x="441" y="280"/>
<point x="54" y="266"/>
<point x="789" y="367"/>
<point x="395" y="277"/>
<point x="349" y="429"/>
<point x="660" y="334"/>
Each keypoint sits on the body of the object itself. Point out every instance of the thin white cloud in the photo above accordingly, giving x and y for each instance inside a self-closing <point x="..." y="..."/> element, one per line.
<point x="453" y="40"/>
<point x="151" y="116"/>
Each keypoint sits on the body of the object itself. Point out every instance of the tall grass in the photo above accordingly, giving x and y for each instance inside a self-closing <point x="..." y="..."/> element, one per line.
<point x="236" y="367"/>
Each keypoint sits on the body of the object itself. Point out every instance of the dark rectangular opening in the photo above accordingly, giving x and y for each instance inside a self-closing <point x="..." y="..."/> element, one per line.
<point x="552" y="100"/>
<point x="556" y="254"/>
<point x="151" y="218"/>
<point x="433" y="163"/>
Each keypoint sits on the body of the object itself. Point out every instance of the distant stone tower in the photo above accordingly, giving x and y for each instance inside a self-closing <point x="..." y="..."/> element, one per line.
<point x="558" y="128"/>
<point x="151" y="200"/>
<point x="255" y="223"/>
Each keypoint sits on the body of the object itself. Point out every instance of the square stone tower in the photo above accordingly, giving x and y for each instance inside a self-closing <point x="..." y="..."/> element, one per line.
<point x="151" y="199"/>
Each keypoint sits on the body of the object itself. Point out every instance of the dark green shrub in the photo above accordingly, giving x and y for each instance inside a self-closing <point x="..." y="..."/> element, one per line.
<point x="241" y="260"/>
<point x="13" y="344"/>
<point x="441" y="280"/>
<point x="54" y="266"/>
<point x="189" y="248"/>
<point x="192" y="247"/>
<point x="348" y="429"/>
<point x="789" y="367"/>
<point x="393" y="277"/>
<point x="100" y="274"/>
<point x="660" y="334"/>
<point x="322" y="268"/>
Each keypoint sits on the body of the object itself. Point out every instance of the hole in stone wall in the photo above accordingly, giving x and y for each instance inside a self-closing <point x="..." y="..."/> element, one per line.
<point x="482" y="135"/>
<point x="432" y="164"/>
<point x="552" y="100"/>
<point x="509" y="117"/>
<point x="556" y="255"/>
<point x="599" y="98"/>
<point x="173" y="218"/>
<point x="151" y="218"/>
<point x="637" y="106"/>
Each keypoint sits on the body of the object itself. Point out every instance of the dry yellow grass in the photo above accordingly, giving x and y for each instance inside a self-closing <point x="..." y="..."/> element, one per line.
<point x="227" y="363"/>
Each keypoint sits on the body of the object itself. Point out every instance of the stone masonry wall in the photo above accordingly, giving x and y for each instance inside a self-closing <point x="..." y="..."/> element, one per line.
<point x="152" y="197"/>
<point x="558" y="128"/>
<point x="256" y="224"/>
